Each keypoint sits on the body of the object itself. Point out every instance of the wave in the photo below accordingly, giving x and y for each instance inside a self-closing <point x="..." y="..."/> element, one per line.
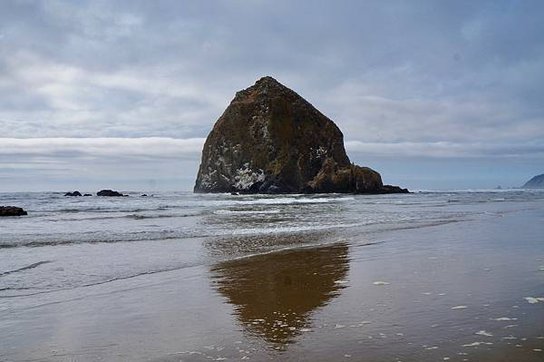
<point x="246" y="212"/>
<point x="101" y="282"/>
<point x="122" y="238"/>
<point x="94" y="238"/>
<point x="31" y="266"/>
<point x="293" y="200"/>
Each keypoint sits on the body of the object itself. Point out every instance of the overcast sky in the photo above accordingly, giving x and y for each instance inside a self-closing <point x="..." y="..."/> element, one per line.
<point x="121" y="94"/>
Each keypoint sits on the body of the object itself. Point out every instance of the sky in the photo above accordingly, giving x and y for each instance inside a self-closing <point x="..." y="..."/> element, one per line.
<point x="122" y="94"/>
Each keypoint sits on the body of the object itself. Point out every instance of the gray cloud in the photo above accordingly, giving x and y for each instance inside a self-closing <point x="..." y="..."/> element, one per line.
<point x="420" y="77"/>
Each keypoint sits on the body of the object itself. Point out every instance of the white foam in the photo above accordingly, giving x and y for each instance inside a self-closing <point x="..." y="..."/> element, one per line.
<point x="484" y="333"/>
<point x="505" y="319"/>
<point x="379" y="282"/>
<point x="459" y="307"/>
<point x="476" y="344"/>
<point x="288" y="229"/>
<point x="293" y="200"/>
<point x="534" y="300"/>
<point x="246" y="212"/>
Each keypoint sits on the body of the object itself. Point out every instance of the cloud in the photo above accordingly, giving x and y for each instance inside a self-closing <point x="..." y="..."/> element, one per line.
<point x="90" y="163"/>
<point x="150" y="147"/>
<point x="402" y="150"/>
<point x="422" y="78"/>
<point x="52" y="150"/>
<point x="378" y="119"/>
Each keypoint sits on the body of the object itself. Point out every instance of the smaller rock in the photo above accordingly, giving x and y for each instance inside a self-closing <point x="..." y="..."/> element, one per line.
<point x="88" y="195"/>
<point x="12" y="211"/>
<point x="109" y="193"/>
<point x="144" y="195"/>
<point x="390" y="189"/>
<point x="75" y="193"/>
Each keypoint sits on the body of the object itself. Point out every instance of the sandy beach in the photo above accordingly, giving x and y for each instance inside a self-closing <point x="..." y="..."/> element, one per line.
<point x="459" y="291"/>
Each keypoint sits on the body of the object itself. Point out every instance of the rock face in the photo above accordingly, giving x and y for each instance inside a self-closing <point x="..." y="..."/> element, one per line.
<point x="110" y="193"/>
<point x="536" y="182"/>
<point x="12" y="211"/>
<point x="271" y="140"/>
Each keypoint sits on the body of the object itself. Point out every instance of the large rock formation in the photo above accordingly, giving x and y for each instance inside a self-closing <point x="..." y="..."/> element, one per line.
<point x="536" y="182"/>
<point x="271" y="140"/>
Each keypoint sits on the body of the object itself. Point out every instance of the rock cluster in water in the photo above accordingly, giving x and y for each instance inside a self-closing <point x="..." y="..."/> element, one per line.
<point x="271" y="140"/>
<point x="99" y="193"/>
<point x="536" y="182"/>
<point x="12" y="211"/>
<point x="109" y="193"/>
<point x="73" y="194"/>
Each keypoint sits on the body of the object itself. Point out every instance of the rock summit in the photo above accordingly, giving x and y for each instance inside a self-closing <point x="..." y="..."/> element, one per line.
<point x="271" y="140"/>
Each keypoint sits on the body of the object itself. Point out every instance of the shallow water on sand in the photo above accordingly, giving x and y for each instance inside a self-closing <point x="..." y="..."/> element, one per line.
<point x="426" y="276"/>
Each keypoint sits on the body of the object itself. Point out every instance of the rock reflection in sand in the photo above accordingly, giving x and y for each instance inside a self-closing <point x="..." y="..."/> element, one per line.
<point x="274" y="294"/>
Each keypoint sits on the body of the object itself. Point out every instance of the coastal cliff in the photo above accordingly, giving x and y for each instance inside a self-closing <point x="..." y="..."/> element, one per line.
<point x="536" y="182"/>
<point x="271" y="140"/>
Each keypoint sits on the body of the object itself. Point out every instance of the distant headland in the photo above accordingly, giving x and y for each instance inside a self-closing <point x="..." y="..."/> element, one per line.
<point x="536" y="182"/>
<point x="271" y="140"/>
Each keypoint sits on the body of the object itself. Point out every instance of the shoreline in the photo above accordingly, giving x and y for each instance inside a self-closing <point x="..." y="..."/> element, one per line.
<point x="405" y="293"/>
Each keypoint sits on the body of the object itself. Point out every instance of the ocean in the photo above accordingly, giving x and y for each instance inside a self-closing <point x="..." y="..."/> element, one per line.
<point x="453" y="275"/>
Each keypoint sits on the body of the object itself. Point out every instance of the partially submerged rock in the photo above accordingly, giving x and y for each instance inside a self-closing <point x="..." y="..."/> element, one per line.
<point x="109" y="193"/>
<point x="271" y="140"/>
<point x="12" y="211"/>
<point x="75" y="193"/>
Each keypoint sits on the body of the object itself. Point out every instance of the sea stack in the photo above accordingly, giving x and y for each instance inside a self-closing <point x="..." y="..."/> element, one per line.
<point x="271" y="140"/>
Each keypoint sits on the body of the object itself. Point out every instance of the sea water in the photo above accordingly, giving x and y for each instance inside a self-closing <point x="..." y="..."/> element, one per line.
<point x="69" y="246"/>
<point x="71" y="242"/>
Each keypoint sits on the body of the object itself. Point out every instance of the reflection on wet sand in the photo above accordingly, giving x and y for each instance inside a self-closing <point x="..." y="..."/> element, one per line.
<point x="274" y="294"/>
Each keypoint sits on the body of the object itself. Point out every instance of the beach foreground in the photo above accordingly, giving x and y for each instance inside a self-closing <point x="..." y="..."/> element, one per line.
<point x="463" y="289"/>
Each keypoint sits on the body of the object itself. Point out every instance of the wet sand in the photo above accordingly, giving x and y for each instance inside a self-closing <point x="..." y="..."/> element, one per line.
<point x="454" y="292"/>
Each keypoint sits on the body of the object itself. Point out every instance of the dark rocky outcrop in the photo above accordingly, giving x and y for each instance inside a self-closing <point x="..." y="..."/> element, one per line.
<point x="109" y="193"/>
<point x="87" y="195"/>
<point x="271" y="140"/>
<point x="12" y="211"/>
<point x="75" y="193"/>
<point x="536" y="182"/>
